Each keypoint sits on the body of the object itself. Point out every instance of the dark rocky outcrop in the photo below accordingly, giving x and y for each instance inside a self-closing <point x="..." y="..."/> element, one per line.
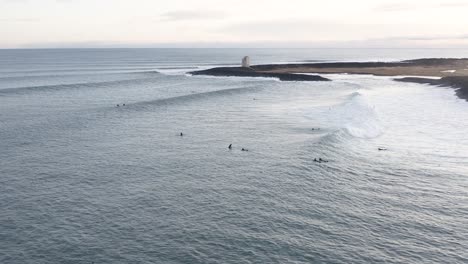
<point x="460" y="83"/>
<point x="251" y="72"/>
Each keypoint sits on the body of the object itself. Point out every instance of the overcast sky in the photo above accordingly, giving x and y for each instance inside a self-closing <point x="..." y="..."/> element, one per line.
<point x="233" y="23"/>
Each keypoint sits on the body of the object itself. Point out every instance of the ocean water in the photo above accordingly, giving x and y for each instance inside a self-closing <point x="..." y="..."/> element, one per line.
<point x="85" y="181"/>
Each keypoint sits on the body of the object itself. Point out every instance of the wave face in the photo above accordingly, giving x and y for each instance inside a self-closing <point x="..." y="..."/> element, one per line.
<point x="360" y="117"/>
<point x="88" y="181"/>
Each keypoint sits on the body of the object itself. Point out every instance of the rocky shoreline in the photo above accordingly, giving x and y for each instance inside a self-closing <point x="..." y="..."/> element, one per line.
<point x="251" y="72"/>
<point x="460" y="83"/>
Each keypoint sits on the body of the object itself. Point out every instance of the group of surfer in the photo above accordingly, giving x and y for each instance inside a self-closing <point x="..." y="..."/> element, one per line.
<point x="230" y="148"/>
<point x="118" y="105"/>
<point x="320" y="160"/>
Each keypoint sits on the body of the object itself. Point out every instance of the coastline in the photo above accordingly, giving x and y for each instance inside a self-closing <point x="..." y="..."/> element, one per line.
<point x="452" y="72"/>
<point x="460" y="83"/>
<point x="251" y="72"/>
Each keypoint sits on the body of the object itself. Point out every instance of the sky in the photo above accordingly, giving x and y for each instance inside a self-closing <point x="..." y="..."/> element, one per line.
<point x="233" y="23"/>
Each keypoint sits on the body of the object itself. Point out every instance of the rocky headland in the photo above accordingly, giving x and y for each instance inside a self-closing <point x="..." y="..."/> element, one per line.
<point x="252" y="72"/>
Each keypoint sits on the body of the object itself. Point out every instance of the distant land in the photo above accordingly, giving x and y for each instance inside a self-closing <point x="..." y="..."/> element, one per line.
<point x="253" y="72"/>
<point x="449" y="72"/>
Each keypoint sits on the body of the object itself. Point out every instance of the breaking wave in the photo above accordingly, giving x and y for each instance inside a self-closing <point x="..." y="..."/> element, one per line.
<point x="359" y="117"/>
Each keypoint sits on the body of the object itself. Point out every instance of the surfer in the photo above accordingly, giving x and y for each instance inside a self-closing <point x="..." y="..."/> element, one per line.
<point x="230" y="146"/>
<point x="243" y="149"/>
<point x="181" y="134"/>
<point x="118" y="105"/>
<point x="382" y="149"/>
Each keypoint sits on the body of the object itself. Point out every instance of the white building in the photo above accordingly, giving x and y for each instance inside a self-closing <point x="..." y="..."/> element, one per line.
<point x="246" y="62"/>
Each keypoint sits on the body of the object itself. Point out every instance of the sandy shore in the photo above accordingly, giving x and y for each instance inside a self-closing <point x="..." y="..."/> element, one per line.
<point x="421" y="67"/>
<point x="452" y="72"/>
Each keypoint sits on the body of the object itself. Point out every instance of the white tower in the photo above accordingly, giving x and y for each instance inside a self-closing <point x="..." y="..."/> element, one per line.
<point x="246" y="62"/>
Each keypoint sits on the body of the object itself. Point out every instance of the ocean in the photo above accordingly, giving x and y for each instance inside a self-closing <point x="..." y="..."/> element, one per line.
<point x="83" y="180"/>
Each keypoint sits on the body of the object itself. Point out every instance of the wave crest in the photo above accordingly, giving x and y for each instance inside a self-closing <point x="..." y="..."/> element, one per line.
<point x="360" y="117"/>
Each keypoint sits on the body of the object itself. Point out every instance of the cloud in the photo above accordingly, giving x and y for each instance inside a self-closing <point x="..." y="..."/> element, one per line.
<point x="19" y="20"/>
<point x="403" y="6"/>
<point x="395" y="7"/>
<point x="279" y="27"/>
<point x="300" y="30"/>
<point x="182" y="15"/>
<point x="454" y="4"/>
<point x="15" y="1"/>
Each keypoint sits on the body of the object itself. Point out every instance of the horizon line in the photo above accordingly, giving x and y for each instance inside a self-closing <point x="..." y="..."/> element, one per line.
<point x="65" y="48"/>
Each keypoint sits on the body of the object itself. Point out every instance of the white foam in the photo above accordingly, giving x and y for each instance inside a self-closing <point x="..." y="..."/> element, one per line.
<point x="360" y="117"/>
<point x="234" y="77"/>
<point x="356" y="115"/>
<point x="417" y="76"/>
